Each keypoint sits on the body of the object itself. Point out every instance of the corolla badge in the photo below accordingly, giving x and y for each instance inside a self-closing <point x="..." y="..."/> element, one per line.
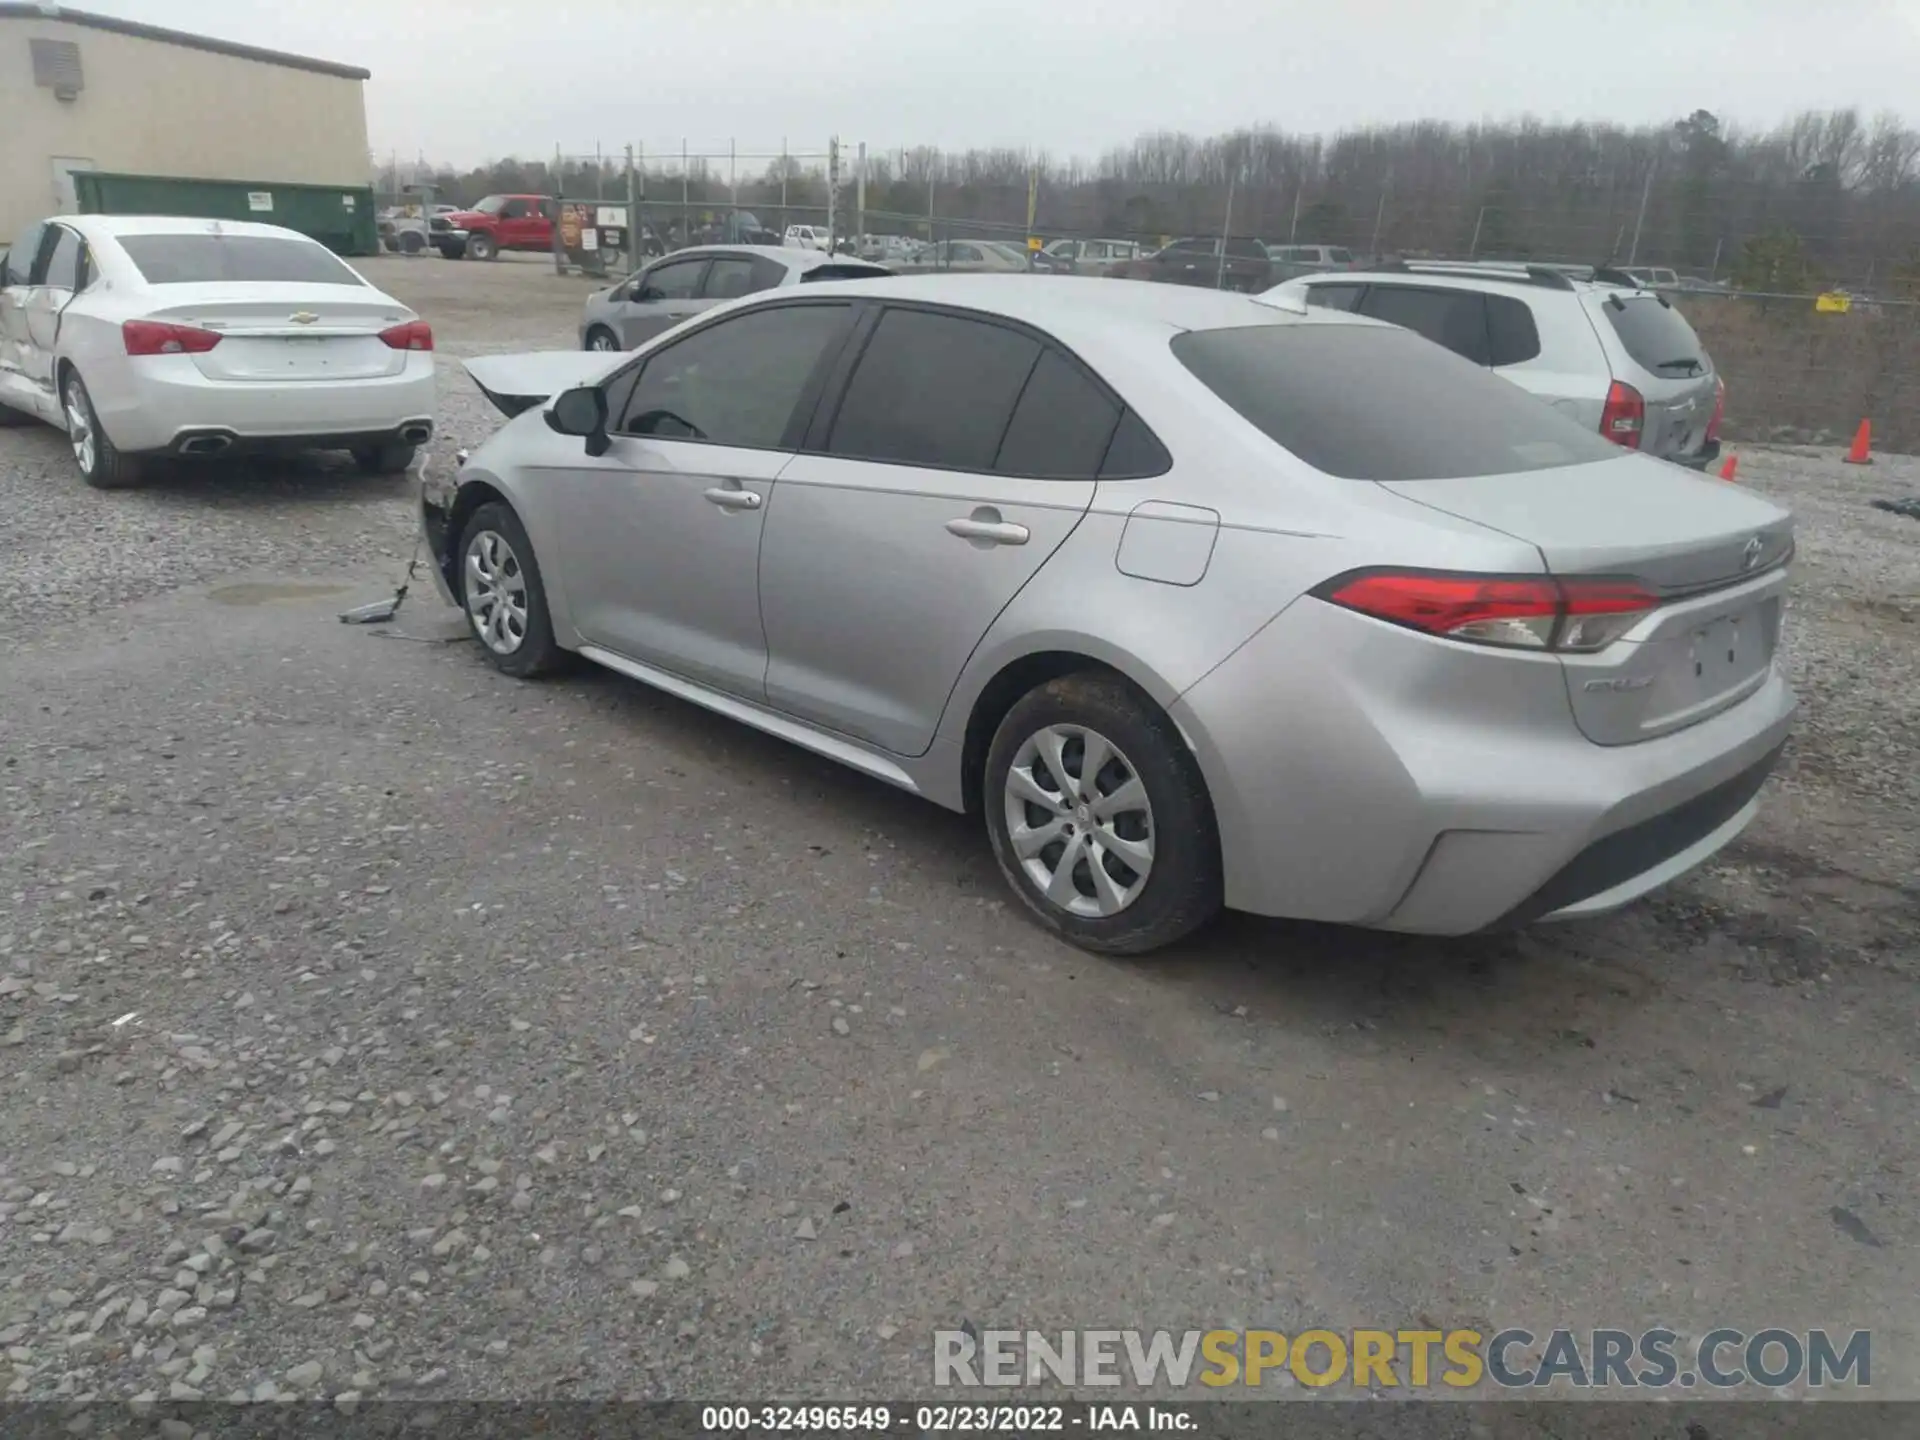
<point x="1750" y="556"/>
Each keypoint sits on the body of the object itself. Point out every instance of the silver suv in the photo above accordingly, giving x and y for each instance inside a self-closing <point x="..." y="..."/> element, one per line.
<point x="1616" y="357"/>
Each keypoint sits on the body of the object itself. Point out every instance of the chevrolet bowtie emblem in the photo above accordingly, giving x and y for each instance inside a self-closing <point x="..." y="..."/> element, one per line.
<point x="303" y="317"/>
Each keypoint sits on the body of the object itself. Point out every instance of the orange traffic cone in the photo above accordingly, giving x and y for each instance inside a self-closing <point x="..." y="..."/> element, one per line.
<point x="1857" y="454"/>
<point x="1728" y="470"/>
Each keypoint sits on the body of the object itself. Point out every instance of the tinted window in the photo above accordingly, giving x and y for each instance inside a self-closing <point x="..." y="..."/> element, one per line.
<point x="1315" y="390"/>
<point x="933" y="390"/>
<point x="21" y="255"/>
<point x="1456" y="319"/>
<point x="513" y="210"/>
<point x="678" y="281"/>
<point x="1135" y="452"/>
<point x="1655" y="335"/>
<point x="730" y="278"/>
<point x="1511" y="335"/>
<point x="1334" y="297"/>
<point x="734" y="383"/>
<point x="844" y="272"/>
<point x="1339" y="256"/>
<point x="964" y="255"/>
<point x="1247" y="249"/>
<point x="1061" y="426"/>
<point x="204" y="259"/>
<point x="63" y="265"/>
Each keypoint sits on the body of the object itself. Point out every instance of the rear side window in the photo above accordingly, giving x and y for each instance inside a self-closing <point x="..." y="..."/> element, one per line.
<point x="933" y="390"/>
<point x="1456" y="319"/>
<point x="1656" y="336"/>
<point x="1334" y="297"/>
<point x="208" y="259"/>
<point x="1315" y="390"/>
<point x="1339" y="256"/>
<point x="1062" y="425"/>
<point x="1135" y="453"/>
<point x="63" y="265"/>
<point x="1512" y="337"/>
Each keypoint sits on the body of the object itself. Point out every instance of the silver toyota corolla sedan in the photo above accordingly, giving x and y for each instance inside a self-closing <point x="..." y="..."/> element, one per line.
<point x="1150" y="578"/>
<point x="688" y="282"/>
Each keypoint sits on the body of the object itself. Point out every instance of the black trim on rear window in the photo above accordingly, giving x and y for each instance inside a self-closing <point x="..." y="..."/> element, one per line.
<point x="1375" y="402"/>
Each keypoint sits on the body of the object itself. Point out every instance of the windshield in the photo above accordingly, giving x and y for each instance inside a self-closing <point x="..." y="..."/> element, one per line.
<point x="1314" y="390"/>
<point x="204" y="259"/>
<point x="490" y="206"/>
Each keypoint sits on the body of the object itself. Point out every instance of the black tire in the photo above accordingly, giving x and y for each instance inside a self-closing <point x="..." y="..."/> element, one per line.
<point x="601" y="338"/>
<point x="389" y="244"/>
<point x="1182" y="887"/>
<point x="481" y="247"/>
<point x="385" y="459"/>
<point x="535" y="653"/>
<point x="452" y="251"/>
<point x="412" y="242"/>
<point x="101" y="465"/>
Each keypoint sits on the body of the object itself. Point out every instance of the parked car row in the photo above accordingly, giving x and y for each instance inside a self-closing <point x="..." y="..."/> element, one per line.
<point x="1196" y="599"/>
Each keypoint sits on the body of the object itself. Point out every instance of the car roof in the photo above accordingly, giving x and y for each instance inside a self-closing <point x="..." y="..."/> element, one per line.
<point x="112" y="227"/>
<point x="785" y="254"/>
<point x="1071" y="309"/>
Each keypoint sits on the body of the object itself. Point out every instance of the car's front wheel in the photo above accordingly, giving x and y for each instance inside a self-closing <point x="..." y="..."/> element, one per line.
<point x="505" y="601"/>
<point x="481" y="247"/>
<point x="601" y="338"/>
<point x="101" y="465"/>
<point x="1099" y="816"/>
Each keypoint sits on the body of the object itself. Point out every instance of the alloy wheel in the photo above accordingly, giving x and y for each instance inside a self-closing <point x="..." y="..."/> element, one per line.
<point x="80" y="425"/>
<point x="496" y="592"/>
<point x="1079" y="822"/>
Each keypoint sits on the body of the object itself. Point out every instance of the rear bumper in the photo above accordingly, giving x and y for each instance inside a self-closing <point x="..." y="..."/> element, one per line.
<point x="162" y="402"/>
<point x="1366" y="775"/>
<point x="1701" y="458"/>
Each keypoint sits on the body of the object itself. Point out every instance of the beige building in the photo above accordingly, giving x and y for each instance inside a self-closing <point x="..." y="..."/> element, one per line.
<point x="91" y="92"/>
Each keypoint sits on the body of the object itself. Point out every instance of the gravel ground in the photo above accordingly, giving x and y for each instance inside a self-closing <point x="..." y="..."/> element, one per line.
<point x="376" y="1026"/>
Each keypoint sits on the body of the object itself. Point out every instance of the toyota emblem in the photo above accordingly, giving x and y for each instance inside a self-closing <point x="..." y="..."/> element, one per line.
<point x="1750" y="556"/>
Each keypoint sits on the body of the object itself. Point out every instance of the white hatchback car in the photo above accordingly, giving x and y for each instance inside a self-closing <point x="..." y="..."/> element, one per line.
<point x="159" y="335"/>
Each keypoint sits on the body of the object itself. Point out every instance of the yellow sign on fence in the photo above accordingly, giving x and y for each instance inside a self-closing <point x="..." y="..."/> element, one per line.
<point x="1834" y="302"/>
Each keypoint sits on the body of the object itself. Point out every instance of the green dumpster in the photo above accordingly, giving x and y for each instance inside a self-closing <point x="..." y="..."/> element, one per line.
<point x="341" y="217"/>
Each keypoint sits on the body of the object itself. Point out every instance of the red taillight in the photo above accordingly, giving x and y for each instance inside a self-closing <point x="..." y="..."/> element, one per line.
<point x="414" y="335"/>
<point x="1519" y="612"/>
<point x="1625" y="416"/>
<point x="1719" y="409"/>
<point x="155" y="337"/>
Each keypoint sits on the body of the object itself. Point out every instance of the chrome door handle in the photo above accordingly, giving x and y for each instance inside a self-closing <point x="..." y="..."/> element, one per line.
<point x="994" y="532"/>
<point x="733" y="499"/>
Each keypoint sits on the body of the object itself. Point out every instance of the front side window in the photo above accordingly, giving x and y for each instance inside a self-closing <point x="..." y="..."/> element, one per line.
<point x="513" y="210"/>
<point x="730" y="278"/>
<point x="489" y="206"/>
<point x="22" y="253"/>
<point x="934" y="390"/>
<point x="737" y="382"/>
<point x="1334" y="297"/>
<point x="679" y="280"/>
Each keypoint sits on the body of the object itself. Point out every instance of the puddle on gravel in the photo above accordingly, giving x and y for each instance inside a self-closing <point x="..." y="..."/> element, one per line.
<point x="264" y="594"/>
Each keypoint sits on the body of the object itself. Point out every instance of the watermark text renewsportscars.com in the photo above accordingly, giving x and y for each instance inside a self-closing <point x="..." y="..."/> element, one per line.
<point x="1515" y="1359"/>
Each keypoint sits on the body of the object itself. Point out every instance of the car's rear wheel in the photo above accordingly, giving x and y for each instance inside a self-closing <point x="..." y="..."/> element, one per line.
<point x="481" y="247"/>
<point x="385" y="459"/>
<point x="601" y="338"/>
<point x="505" y="601"/>
<point x="1099" y="817"/>
<point x="101" y="465"/>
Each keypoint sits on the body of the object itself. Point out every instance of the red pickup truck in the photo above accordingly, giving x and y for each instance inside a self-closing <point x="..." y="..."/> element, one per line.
<point x="499" y="222"/>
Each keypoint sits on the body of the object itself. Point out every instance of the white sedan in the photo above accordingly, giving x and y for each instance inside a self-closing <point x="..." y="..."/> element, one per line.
<point x="158" y="335"/>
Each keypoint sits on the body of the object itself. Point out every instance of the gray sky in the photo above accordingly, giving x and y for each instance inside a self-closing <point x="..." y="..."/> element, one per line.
<point x="466" y="80"/>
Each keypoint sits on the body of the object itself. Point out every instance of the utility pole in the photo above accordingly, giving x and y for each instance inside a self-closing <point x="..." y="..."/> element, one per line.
<point x="860" y="199"/>
<point x="1293" y="230"/>
<point x="1380" y="214"/>
<point x="833" y="187"/>
<point x="1226" y="229"/>
<point x="634" y="248"/>
<point x="1473" y="250"/>
<point x="1646" y="193"/>
<point x="1033" y="210"/>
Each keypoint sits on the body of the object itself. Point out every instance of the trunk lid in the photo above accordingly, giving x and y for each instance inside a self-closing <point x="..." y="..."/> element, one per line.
<point x="1714" y="553"/>
<point x="520" y="382"/>
<point x="275" y="332"/>
<point x="1654" y="349"/>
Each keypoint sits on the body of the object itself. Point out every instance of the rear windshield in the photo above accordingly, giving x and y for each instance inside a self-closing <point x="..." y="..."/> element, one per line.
<point x="1366" y="402"/>
<point x="201" y="259"/>
<point x="1655" y="335"/>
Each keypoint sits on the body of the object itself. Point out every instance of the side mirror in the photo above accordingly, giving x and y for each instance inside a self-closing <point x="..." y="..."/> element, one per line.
<point x="581" y="411"/>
